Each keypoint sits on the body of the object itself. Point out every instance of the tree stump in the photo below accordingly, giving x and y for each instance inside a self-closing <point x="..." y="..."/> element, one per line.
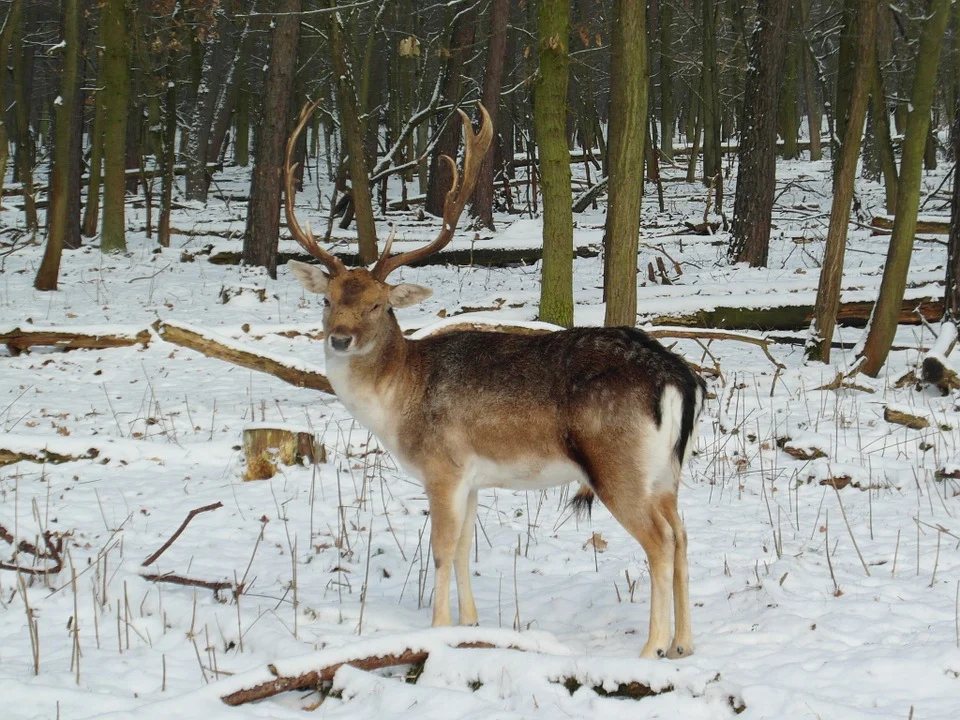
<point x="265" y="446"/>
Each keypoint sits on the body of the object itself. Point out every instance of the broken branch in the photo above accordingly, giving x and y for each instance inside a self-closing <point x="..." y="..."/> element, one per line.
<point x="183" y="526"/>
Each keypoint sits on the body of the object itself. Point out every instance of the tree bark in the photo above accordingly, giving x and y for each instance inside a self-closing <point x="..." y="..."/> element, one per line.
<point x="482" y="204"/>
<point x="201" y="126"/>
<point x="64" y="225"/>
<point x="116" y="100"/>
<point x="91" y="213"/>
<point x="262" y="233"/>
<point x="353" y="138"/>
<point x="710" y="98"/>
<point x="846" y="59"/>
<point x="756" y="180"/>
<point x="883" y="324"/>
<point x="449" y="140"/>
<point x="881" y="130"/>
<point x="951" y="300"/>
<point x="667" y="109"/>
<point x="550" y="122"/>
<point x="831" y="272"/>
<point x="625" y="147"/>
<point x="21" y="94"/>
<point x="6" y="32"/>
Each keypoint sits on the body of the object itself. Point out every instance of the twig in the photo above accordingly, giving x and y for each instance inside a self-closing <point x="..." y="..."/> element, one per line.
<point x="215" y="585"/>
<point x="183" y="526"/>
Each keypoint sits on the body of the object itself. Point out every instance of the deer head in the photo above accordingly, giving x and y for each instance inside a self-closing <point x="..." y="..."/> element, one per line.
<point x="358" y="302"/>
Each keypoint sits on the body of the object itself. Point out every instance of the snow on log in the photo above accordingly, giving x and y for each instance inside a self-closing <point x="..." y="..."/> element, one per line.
<point x="798" y="317"/>
<point x="935" y="369"/>
<point x="17" y="339"/>
<point x="926" y="224"/>
<point x="265" y="445"/>
<point x="316" y="668"/>
<point x="216" y="346"/>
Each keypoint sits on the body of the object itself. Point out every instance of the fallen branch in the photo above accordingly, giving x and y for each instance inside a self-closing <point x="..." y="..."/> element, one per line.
<point x="54" y="552"/>
<point x="233" y="353"/>
<point x="19" y="339"/>
<point x="174" y="579"/>
<point x="183" y="526"/>
<point x="312" y="678"/>
<point x="9" y="457"/>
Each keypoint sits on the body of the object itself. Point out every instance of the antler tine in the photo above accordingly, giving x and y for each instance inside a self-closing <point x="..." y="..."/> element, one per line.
<point x="304" y="237"/>
<point x="476" y="145"/>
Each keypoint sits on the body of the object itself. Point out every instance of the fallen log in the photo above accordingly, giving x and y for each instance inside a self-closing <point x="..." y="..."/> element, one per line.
<point x="482" y="256"/>
<point x="924" y="226"/>
<point x="19" y="339"/>
<point x="798" y="317"/>
<point x="934" y="369"/>
<point x="310" y="679"/>
<point x="223" y="349"/>
<point x="9" y="457"/>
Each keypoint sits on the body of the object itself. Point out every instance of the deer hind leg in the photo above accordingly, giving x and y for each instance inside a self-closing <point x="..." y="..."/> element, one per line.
<point x="683" y="632"/>
<point x="642" y="518"/>
<point x="461" y="564"/>
<point x="448" y="505"/>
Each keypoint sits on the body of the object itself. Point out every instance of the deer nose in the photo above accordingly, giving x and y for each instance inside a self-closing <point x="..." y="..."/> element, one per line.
<point x="340" y="342"/>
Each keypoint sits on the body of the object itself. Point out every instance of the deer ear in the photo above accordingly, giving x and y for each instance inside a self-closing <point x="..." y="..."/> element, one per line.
<point x="310" y="276"/>
<point x="405" y="295"/>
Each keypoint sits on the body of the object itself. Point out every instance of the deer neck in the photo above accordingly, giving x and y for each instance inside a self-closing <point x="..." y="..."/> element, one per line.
<point x="371" y="385"/>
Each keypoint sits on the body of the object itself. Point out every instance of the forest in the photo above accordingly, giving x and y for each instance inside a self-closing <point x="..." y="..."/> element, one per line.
<point x="192" y="521"/>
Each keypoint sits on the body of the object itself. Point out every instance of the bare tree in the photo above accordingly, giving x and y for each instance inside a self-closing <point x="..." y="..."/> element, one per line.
<point x="263" y="213"/>
<point x="756" y="180"/>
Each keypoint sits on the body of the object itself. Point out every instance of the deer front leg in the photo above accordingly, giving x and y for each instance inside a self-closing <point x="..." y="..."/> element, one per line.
<point x="461" y="563"/>
<point x="447" y="510"/>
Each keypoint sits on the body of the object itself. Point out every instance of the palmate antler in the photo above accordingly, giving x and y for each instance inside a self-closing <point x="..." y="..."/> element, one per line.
<point x="476" y="145"/>
<point x="305" y="237"/>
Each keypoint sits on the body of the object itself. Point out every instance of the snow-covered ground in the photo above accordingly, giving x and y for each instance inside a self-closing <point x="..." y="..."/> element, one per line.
<point x="807" y="601"/>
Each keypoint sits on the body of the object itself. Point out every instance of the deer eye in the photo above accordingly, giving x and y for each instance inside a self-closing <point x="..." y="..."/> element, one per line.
<point x="326" y="302"/>
<point x="376" y="307"/>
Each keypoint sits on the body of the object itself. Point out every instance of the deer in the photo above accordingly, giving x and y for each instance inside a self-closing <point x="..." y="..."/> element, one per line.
<point x="608" y="408"/>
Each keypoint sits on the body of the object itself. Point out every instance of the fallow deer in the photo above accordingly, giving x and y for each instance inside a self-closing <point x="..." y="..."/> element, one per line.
<point x="608" y="408"/>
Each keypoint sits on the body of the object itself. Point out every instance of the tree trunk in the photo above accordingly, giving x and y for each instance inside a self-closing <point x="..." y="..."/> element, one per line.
<point x="116" y="100"/>
<point x="482" y="203"/>
<point x="756" y="180"/>
<point x="550" y="121"/>
<point x="951" y="300"/>
<point x="91" y="214"/>
<point x="814" y="110"/>
<point x="846" y="59"/>
<point x="241" y="128"/>
<point x="789" y="116"/>
<point x="353" y="135"/>
<point x="64" y="225"/>
<point x="710" y="98"/>
<point x="6" y="33"/>
<point x="883" y="324"/>
<point x="625" y="146"/>
<point x="169" y="140"/>
<point x="695" y="117"/>
<point x="449" y="141"/>
<point x="22" y="96"/>
<point x="881" y="131"/>
<point x="229" y="93"/>
<point x="208" y="92"/>
<point x="667" y="109"/>
<point x="263" y="215"/>
<point x="831" y="273"/>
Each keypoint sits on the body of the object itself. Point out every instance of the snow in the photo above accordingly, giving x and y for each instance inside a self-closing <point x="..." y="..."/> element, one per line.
<point x="334" y="559"/>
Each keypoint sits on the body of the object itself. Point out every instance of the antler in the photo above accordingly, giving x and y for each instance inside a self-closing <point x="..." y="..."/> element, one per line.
<point x="306" y="239"/>
<point x="476" y="145"/>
